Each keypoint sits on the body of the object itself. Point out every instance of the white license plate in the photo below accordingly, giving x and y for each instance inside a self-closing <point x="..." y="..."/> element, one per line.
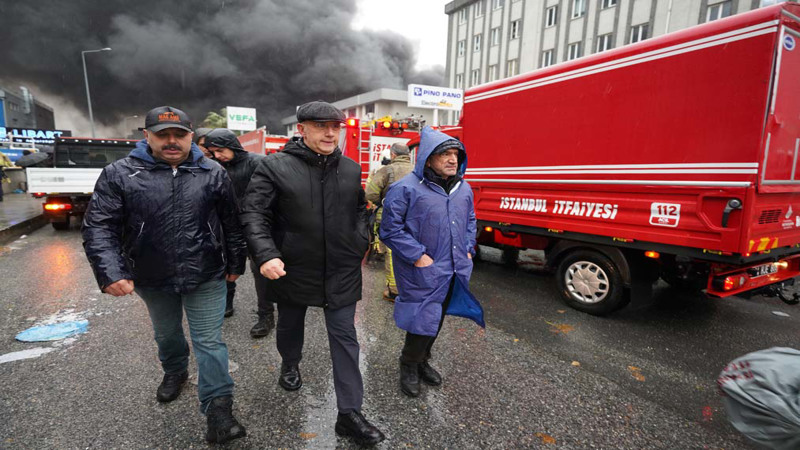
<point x="762" y="270"/>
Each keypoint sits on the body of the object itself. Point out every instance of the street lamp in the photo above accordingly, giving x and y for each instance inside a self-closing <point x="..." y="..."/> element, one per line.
<point x="86" y="80"/>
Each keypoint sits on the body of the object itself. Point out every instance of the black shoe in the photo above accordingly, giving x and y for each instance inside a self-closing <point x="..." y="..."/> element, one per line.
<point x="290" y="377"/>
<point x="170" y="386"/>
<point x="409" y="379"/>
<point x="228" y="310"/>
<point x="262" y="328"/>
<point x="429" y="375"/>
<point x="357" y="427"/>
<point x="222" y="426"/>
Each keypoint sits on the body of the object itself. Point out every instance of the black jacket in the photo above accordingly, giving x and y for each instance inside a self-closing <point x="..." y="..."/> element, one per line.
<point x="310" y="211"/>
<point x="163" y="229"/>
<point x="240" y="170"/>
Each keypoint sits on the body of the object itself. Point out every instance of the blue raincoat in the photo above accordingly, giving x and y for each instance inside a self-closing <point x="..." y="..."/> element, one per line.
<point x="419" y="217"/>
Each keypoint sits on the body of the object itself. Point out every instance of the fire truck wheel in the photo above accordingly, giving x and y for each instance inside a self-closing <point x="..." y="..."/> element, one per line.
<point x="590" y="282"/>
<point x="61" y="225"/>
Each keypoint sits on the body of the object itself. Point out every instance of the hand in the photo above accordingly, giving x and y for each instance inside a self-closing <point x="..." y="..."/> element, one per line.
<point x="469" y="255"/>
<point x="231" y="277"/>
<point x="119" y="288"/>
<point x="423" y="261"/>
<point x="272" y="269"/>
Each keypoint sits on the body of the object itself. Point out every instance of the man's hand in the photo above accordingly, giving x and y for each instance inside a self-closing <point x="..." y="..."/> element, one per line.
<point x="231" y="277"/>
<point x="469" y="255"/>
<point x="423" y="261"/>
<point x="119" y="288"/>
<point x="272" y="269"/>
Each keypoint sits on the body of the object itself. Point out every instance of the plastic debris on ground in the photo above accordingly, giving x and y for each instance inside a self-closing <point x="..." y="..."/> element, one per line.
<point x="53" y="332"/>
<point x="25" y="354"/>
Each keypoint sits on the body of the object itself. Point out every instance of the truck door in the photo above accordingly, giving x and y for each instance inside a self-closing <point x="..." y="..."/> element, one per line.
<point x="782" y="142"/>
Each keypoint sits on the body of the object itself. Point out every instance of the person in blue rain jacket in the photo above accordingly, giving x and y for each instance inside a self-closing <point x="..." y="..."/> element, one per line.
<point x="429" y="224"/>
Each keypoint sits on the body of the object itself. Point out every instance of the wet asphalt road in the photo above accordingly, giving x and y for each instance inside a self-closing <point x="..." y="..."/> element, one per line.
<point x="540" y="376"/>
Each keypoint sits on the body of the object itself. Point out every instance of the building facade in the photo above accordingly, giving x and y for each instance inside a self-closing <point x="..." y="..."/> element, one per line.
<point x="19" y="109"/>
<point x="493" y="39"/>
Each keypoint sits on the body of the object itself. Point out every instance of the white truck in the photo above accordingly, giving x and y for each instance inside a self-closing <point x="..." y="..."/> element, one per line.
<point x="68" y="181"/>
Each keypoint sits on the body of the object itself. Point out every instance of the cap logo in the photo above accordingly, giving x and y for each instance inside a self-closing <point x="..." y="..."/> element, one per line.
<point x="168" y="117"/>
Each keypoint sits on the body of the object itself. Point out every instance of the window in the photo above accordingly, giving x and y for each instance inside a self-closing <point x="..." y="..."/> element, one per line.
<point x="515" y="29"/>
<point x="639" y="33"/>
<point x="574" y="51"/>
<point x="578" y="8"/>
<point x="608" y="3"/>
<point x="512" y="68"/>
<point x="462" y="45"/>
<point x="476" y="43"/>
<point x="497" y="4"/>
<point x="462" y="15"/>
<point x="494" y="73"/>
<point x="718" y="11"/>
<point x="475" y="78"/>
<point x="494" y="37"/>
<point x="479" y="9"/>
<point x="547" y="58"/>
<point x="605" y="42"/>
<point x="551" y="16"/>
<point x="459" y="81"/>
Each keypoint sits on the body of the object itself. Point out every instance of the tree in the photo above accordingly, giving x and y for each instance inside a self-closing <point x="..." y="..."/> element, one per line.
<point x="216" y="120"/>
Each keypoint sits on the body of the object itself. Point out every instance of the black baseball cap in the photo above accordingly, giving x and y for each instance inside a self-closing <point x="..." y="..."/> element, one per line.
<point x="165" y="117"/>
<point x="319" y="111"/>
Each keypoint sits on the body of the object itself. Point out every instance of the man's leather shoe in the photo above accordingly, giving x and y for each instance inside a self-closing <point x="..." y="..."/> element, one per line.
<point x="170" y="386"/>
<point x="262" y="328"/>
<point x="222" y="426"/>
<point x="389" y="296"/>
<point x="354" y="425"/>
<point x="290" y="377"/>
<point x="429" y="375"/>
<point x="409" y="379"/>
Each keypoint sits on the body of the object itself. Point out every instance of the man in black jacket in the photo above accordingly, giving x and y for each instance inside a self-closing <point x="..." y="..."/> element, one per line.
<point x="305" y="221"/>
<point x="154" y="225"/>
<point x="241" y="164"/>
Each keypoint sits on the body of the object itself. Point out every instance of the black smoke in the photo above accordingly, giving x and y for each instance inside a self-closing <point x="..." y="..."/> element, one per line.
<point x="201" y="55"/>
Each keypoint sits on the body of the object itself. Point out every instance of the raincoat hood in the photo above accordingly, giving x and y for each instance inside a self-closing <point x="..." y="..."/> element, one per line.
<point x="143" y="153"/>
<point x="430" y="139"/>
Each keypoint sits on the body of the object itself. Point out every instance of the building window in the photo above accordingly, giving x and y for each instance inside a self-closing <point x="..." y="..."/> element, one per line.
<point x="512" y="68"/>
<point x="574" y="51"/>
<point x="515" y="29"/>
<point x="608" y="3"/>
<point x="639" y="33"/>
<point x="578" y="8"/>
<point x="494" y="36"/>
<point x="494" y="73"/>
<point x="462" y="15"/>
<point x="551" y="16"/>
<point x="462" y="45"/>
<point x="718" y="11"/>
<point x="605" y="42"/>
<point x="459" y="81"/>
<point x="497" y="4"/>
<point x="547" y="58"/>
<point x="476" y="43"/>
<point x="479" y="9"/>
<point x="475" y="78"/>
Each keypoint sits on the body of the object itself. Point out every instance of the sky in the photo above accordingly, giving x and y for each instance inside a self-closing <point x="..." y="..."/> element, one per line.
<point x="422" y="21"/>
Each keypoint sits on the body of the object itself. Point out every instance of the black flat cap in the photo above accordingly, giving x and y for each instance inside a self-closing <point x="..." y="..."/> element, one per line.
<point x="319" y="111"/>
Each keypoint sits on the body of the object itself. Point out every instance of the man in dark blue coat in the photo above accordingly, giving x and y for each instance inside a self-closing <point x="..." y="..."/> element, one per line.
<point x="154" y="226"/>
<point x="429" y="224"/>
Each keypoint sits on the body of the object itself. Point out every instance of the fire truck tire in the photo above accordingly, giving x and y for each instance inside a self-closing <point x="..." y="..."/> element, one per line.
<point x="61" y="225"/>
<point x="590" y="282"/>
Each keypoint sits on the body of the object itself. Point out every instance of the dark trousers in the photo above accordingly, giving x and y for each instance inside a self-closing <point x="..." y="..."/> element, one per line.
<point x="265" y="307"/>
<point x="344" y="349"/>
<point x="417" y="348"/>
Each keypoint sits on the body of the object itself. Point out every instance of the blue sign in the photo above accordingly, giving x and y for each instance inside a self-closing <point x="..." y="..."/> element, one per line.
<point x="33" y="135"/>
<point x="788" y="43"/>
<point x="2" y="113"/>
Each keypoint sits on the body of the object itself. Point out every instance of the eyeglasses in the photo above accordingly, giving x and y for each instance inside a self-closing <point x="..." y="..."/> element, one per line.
<point x="336" y="126"/>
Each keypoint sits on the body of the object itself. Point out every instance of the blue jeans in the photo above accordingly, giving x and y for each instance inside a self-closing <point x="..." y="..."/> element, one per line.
<point x="205" y="310"/>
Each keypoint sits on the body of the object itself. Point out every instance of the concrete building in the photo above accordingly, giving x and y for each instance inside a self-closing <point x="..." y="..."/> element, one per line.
<point x="374" y="105"/>
<point x="19" y="109"/>
<point x="493" y="39"/>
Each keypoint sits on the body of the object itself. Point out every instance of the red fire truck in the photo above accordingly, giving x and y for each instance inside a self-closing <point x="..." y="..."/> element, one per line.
<point x="674" y="157"/>
<point x="258" y="141"/>
<point x="368" y="142"/>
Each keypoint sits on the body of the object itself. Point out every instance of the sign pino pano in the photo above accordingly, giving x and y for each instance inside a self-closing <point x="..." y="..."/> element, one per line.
<point x="435" y="97"/>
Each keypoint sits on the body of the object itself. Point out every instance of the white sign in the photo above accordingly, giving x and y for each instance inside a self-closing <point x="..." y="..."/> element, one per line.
<point x="377" y="146"/>
<point x="434" y="97"/>
<point x="241" y="118"/>
<point x="665" y="214"/>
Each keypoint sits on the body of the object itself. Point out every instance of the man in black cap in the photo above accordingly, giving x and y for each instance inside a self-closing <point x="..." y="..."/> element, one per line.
<point x="154" y="226"/>
<point x="241" y="164"/>
<point x="306" y="224"/>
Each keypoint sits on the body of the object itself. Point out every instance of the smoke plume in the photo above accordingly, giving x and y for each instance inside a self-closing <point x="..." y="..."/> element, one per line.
<point x="200" y="55"/>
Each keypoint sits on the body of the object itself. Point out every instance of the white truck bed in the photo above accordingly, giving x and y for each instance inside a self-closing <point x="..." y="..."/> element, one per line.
<point x="62" y="181"/>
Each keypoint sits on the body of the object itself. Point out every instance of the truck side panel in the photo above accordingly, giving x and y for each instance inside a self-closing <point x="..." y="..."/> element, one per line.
<point x="62" y="181"/>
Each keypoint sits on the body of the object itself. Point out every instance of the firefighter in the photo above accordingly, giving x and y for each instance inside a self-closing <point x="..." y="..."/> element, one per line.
<point x="377" y="186"/>
<point x="241" y="164"/>
<point x="305" y="220"/>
